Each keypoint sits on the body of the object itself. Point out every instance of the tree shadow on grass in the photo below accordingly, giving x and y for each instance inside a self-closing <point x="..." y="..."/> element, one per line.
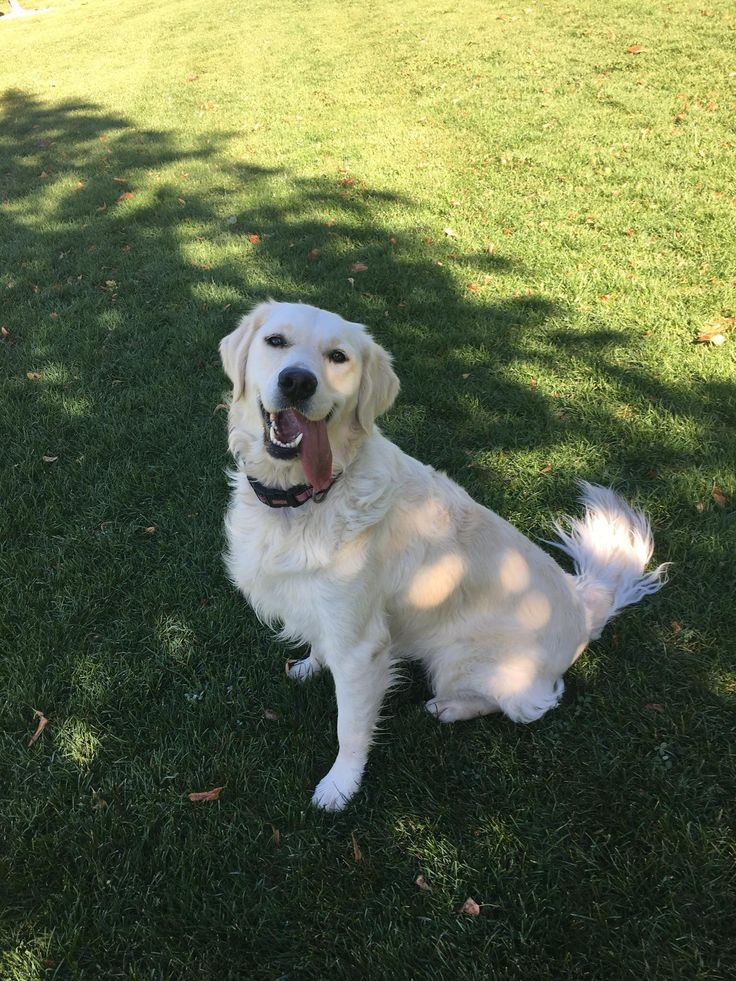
<point x="121" y="269"/>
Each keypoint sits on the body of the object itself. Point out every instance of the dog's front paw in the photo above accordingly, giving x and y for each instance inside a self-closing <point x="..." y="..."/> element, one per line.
<point x="302" y="669"/>
<point x="335" y="790"/>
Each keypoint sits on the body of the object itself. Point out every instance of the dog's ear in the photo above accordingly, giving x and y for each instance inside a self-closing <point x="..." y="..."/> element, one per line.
<point x="234" y="347"/>
<point x="379" y="386"/>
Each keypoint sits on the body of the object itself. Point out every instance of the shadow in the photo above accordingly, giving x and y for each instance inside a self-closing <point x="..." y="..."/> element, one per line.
<point x="126" y="254"/>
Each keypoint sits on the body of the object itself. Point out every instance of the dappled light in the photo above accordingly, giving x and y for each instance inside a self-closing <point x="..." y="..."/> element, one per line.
<point x="435" y="581"/>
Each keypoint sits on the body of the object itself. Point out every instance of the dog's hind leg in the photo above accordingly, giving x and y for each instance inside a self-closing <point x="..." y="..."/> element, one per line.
<point x="461" y="706"/>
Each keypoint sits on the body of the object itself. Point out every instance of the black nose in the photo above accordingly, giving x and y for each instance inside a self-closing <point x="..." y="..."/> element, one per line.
<point x="297" y="383"/>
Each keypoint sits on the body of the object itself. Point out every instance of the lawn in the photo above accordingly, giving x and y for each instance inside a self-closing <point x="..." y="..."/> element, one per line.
<point x="543" y="197"/>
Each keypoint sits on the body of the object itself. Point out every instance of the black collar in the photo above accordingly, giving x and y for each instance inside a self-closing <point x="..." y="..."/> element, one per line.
<point x="289" y="497"/>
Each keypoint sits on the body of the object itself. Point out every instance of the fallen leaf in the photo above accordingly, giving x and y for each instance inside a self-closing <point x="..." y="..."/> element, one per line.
<point x="270" y="715"/>
<point x="220" y="406"/>
<point x="714" y="331"/>
<point x="126" y="196"/>
<point x="466" y="374"/>
<point x="490" y="249"/>
<point x="604" y="297"/>
<point x="254" y="239"/>
<point x="357" y="853"/>
<point x="150" y="530"/>
<point x="99" y="804"/>
<point x="547" y="468"/>
<point x="650" y="474"/>
<point x="718" y="496"/>
<point x="634" y="49"/>
<point x="181" y="201"/>
<point x="449" y="232"/>
<point x="193" y="77"/>
<point x="4" y="333"/>
<point x="507" y="231"/>
<point x="629" y="231"/>
<point x="700" y="506"/>
<point x="654" y="707"/>
<point x="207" y="104"/>
<point x="470" y="907"/>
<point x="275" y="835"/>
<point x="49" y="459"/>
<point x="313" y="255"/>
<point x="54" y="315"/>
<point x="472" y="287"/>
<point x="358" y="267"/>
<point x="428" y="240"/>
<point x="105" y="525"/>
<point x="42" y="723"/>
<point x="422" y="883"/>
<point x="676" y="627"/>
<point x="102" y="207"/>
<point x="203" y="795"/>
<point x="347" y="181"/>
<point x="120" y="180"/>
<point x="33" y="376"/>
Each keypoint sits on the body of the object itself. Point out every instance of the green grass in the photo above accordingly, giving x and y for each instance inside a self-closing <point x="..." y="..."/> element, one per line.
<point x="591" y="194"/>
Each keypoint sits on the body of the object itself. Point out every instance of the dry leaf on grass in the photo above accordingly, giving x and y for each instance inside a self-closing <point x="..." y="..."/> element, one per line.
<point x="203" y="795"/>
<point x="470" y="907"/>
<point x="357" y="853"/>
<point x="634" y="49"/>
<point x="270" y="715"/>
<point x="714" y="332"/>
<point x="193" y="77"/>
<point x="42" y="723"/>
<point x="654" y="707"/>
<point x="150" y="530"/>
<point x="358" y="267"/>
<point x="718" y="496"/>
<point x="220" y="406"/>
<point x="275" y="835"/>
<point x="254" y="239"/>
<point x="422" y="883"/>
<point x="49" y="459"/>
<point x="547" y="468"/>
<point x="313" y="255"/>
<point x="33" y="376"/>
<point x="450" y="232"/>
<point x="126" y="196"/>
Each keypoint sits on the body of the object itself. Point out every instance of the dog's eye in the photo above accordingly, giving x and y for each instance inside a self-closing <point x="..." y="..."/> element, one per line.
<point x="276" y="340"/>
<point x="337" y="357"/>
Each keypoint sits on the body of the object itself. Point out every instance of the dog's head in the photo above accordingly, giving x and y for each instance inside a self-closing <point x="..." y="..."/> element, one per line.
<point x="307" y="385"/>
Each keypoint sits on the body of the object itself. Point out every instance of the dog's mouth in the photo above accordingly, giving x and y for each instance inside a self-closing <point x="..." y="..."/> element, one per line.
<point x="288" y="434"/>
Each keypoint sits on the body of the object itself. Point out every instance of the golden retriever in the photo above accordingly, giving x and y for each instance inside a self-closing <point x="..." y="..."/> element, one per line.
<point x="369" y="556"/>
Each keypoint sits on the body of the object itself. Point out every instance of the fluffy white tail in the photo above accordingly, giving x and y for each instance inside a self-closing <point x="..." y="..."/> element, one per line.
<point x="611" y="546"/>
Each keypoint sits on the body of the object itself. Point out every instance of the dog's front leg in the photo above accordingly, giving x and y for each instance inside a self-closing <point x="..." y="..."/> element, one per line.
<point x="362" y="675"/>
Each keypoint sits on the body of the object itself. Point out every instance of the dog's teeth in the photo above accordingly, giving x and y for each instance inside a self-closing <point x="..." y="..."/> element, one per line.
<point x="273" y="416"/>
<point x="272" y="434"/>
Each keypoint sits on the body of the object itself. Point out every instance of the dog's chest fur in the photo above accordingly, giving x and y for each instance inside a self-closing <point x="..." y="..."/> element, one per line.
<point x="294" y="565"/>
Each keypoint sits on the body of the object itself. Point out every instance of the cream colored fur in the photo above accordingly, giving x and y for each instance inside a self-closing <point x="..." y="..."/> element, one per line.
<point x="398" y="561"/>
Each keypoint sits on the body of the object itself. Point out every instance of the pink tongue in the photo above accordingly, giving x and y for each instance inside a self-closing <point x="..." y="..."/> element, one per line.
<point x="316" y="452"/>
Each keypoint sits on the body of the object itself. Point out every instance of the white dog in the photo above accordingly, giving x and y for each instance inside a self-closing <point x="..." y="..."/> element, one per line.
<point x="369" y="556"/>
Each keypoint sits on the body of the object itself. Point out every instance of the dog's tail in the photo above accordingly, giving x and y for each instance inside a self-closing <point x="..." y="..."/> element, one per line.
<point x="611" y="546"/>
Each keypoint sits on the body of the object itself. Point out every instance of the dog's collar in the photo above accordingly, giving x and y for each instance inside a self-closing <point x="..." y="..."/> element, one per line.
<point x="289" y="497"/>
